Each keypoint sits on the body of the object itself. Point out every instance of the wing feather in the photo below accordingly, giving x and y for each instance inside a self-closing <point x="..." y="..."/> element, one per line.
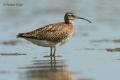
<point x="53" y="32"/>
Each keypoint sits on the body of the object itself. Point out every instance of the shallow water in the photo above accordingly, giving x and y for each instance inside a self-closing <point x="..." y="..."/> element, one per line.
<point x="92" y="54"/>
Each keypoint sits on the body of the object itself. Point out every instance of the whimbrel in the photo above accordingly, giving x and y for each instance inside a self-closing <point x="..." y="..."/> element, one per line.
<point x="53" y="34"/>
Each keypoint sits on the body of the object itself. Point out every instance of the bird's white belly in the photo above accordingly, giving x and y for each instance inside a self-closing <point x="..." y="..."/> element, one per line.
<point x="43" y="43"/>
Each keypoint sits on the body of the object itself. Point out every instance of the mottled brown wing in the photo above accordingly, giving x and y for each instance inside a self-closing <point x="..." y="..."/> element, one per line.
<point x="53" y="36"/>
<point x="53" y="32"/>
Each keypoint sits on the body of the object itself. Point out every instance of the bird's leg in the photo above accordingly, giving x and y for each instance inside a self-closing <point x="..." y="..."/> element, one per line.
<point x="54" y="50"/>
<point x="50" y="51"/>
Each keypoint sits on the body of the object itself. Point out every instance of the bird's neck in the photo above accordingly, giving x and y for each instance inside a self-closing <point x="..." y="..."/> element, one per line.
<point x="69" y="21"/>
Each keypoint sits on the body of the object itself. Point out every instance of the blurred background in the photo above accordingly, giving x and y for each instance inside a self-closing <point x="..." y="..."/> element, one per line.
<point x="92" y="54"/>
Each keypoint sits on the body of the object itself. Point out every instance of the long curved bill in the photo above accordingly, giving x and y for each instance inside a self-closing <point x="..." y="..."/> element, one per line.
<point x="84" y="19"/>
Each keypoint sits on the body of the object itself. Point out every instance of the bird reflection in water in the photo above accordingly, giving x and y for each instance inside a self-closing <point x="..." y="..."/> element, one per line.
<point x="51" y="68"/>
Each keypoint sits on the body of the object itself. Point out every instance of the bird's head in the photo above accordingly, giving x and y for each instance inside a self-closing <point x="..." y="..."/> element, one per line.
<point x="69" y="17"/>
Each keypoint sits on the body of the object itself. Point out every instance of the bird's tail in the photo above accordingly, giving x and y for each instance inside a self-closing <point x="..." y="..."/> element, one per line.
<point x="20" y="35"/>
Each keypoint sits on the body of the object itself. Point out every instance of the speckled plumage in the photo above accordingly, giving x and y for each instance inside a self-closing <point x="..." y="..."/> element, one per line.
<point x="53" y="34"/>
